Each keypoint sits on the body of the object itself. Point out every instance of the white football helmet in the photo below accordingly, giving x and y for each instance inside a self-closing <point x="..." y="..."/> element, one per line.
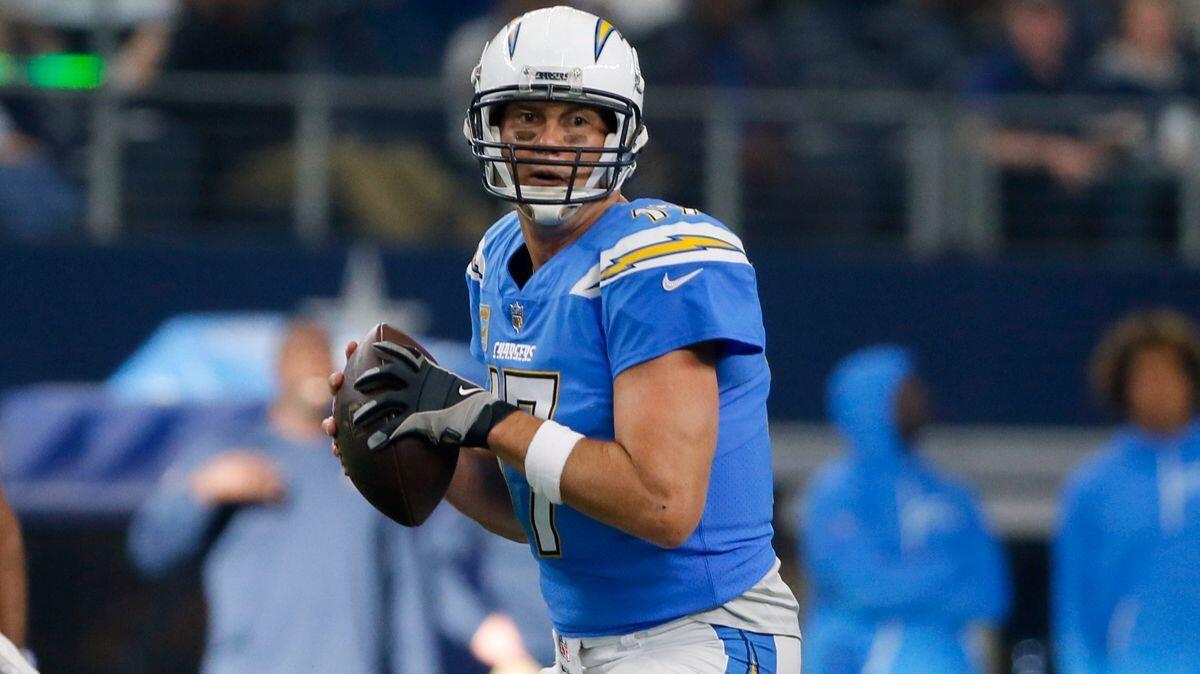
<point x="557" y="54"/>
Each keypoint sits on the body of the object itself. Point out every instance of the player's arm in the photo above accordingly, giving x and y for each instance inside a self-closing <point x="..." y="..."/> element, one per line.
<point x="478" y="491"/>
<point x="652" y="480"/>
<point x="13" y="588"/>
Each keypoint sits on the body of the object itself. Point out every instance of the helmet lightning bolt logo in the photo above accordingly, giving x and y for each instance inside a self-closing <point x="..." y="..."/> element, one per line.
<point x="603" y="30"/>
<point x="682" y="243"/>
<point x="514" y="32"/>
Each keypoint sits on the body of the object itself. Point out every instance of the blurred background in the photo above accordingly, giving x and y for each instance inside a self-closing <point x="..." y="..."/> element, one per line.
<point x="990" y="183"/>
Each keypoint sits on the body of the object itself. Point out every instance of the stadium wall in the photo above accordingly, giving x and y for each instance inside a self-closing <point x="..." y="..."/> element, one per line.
<point x="1002" y="342"/>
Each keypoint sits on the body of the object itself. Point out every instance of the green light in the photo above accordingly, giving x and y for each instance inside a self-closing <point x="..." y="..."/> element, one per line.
<point x="66" y="71"/>
<point x="8" y="69"/>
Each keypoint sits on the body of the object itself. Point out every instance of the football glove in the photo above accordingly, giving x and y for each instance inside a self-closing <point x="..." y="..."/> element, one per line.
<point x="418" y="397"/>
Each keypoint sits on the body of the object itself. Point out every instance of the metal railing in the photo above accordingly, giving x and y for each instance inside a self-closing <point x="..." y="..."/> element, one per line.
<point x="951" y="191"/>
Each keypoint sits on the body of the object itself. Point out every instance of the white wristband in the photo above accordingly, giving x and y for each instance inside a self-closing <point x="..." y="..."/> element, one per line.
<point x="547" y="455"/>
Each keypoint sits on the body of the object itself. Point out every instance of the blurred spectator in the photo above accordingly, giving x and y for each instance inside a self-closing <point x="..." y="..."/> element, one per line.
<point x="902" y="569"/>
<point x="394" y="37"/>
<point x="37" y="201"/>
<point x="181" y="154"/>
<point x="300" y="573"/>
<point x="232" y="165"/>
<point x="1150" y="55"/>
<point x="463" y="50"/>
<point x="40" y="199"/>
<point x="725" y="43"/>
<point x="1153" y="66"/>
<point x="140" y="28"/>
<point x="1126" y="564"/>
<point x="875" y="44"/>
<point x="1049" y="164"/>
<point x="730" y="45"/>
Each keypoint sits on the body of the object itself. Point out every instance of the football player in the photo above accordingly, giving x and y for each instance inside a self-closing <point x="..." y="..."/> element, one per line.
<point x="628" y="381"/>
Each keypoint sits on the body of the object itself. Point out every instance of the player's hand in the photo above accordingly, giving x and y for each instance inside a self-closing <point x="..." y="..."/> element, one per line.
<point x="336" y="380"/>
<point x="1076" y="165"/>
<point x="422" y="398"/>
<point x="238" y="477"/>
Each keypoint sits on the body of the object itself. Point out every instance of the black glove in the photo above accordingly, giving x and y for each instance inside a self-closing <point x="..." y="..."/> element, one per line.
<point x="424" y="399"/>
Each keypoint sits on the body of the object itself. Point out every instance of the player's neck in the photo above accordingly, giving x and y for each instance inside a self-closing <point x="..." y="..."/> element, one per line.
<point x="544" y="243"/>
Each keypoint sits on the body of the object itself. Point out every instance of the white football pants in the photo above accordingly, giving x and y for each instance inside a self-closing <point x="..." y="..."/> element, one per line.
<point x="683" y="646"/>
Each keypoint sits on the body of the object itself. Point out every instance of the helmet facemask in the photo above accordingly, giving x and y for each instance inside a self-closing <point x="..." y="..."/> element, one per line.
<point x="610" y="164"/>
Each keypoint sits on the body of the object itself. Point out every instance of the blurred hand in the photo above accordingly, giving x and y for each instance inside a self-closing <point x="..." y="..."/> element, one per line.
<point x="139" y="61"/>
<point x="497" y="643"/>
<point x="1077" y="165"/>
<point x="17" y="148"/>
<point x="335" y="384"/>
<point x="238" y="477"/>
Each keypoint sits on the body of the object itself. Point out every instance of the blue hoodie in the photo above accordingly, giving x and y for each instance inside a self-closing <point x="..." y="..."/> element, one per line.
<point x="318" y="583"/>
<point x="1127" y="559"/>
<point x="900" y="563"/>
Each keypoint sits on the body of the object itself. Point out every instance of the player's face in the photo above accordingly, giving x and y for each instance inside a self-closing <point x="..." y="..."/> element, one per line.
<point x="304" y="367"/>
<point x="1158" y="390"/>
<point x="912" y="408"/>
<point x="552" y="124"/>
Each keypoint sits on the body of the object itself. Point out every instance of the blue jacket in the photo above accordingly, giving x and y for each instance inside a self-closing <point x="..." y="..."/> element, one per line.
<point x="899" y="561"/>
<point x="1127" y="559"/>
<point x="319" y="583"/>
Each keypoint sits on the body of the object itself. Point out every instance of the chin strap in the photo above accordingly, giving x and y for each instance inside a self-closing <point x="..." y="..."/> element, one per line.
<point x="548" y="215"/>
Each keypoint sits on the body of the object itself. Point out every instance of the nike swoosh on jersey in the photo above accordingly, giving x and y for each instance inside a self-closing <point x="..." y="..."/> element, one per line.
<point x="669" y="285"/>
<point x="464" y="391"/>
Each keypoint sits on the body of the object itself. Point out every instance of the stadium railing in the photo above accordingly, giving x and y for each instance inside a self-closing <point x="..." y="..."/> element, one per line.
<point x="895" y="168"/>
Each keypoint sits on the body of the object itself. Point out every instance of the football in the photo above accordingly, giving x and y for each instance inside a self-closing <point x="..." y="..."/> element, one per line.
<point x="406" y="479"/>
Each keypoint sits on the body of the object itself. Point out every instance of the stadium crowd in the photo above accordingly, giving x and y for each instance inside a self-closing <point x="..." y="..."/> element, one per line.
<point x="1069" y="169"/>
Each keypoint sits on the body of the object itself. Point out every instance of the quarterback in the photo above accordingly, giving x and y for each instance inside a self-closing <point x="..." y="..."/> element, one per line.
<point x="628" y="380"/>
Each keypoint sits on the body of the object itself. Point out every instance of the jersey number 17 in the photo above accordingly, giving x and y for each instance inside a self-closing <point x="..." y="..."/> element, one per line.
<point x="537" y="394"/>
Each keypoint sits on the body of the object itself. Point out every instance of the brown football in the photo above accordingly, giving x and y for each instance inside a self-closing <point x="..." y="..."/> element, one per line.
<point x="405" y="480"/>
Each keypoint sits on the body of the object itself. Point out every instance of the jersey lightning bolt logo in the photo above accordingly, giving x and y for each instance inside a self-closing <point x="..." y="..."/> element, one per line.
<point x="675" y="244"/>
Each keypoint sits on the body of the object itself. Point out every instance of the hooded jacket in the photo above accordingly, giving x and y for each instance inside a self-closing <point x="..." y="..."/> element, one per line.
<point x="900" y="563"/>
<point x="1126" y="585"/>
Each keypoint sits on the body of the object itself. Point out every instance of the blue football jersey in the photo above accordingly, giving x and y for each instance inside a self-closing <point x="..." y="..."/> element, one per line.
<point x="647" y="278"/>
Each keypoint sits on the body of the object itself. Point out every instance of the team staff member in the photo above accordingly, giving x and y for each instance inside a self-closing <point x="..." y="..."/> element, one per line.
<point x="905" y="577"/>
<point x="1126" y="583"/>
